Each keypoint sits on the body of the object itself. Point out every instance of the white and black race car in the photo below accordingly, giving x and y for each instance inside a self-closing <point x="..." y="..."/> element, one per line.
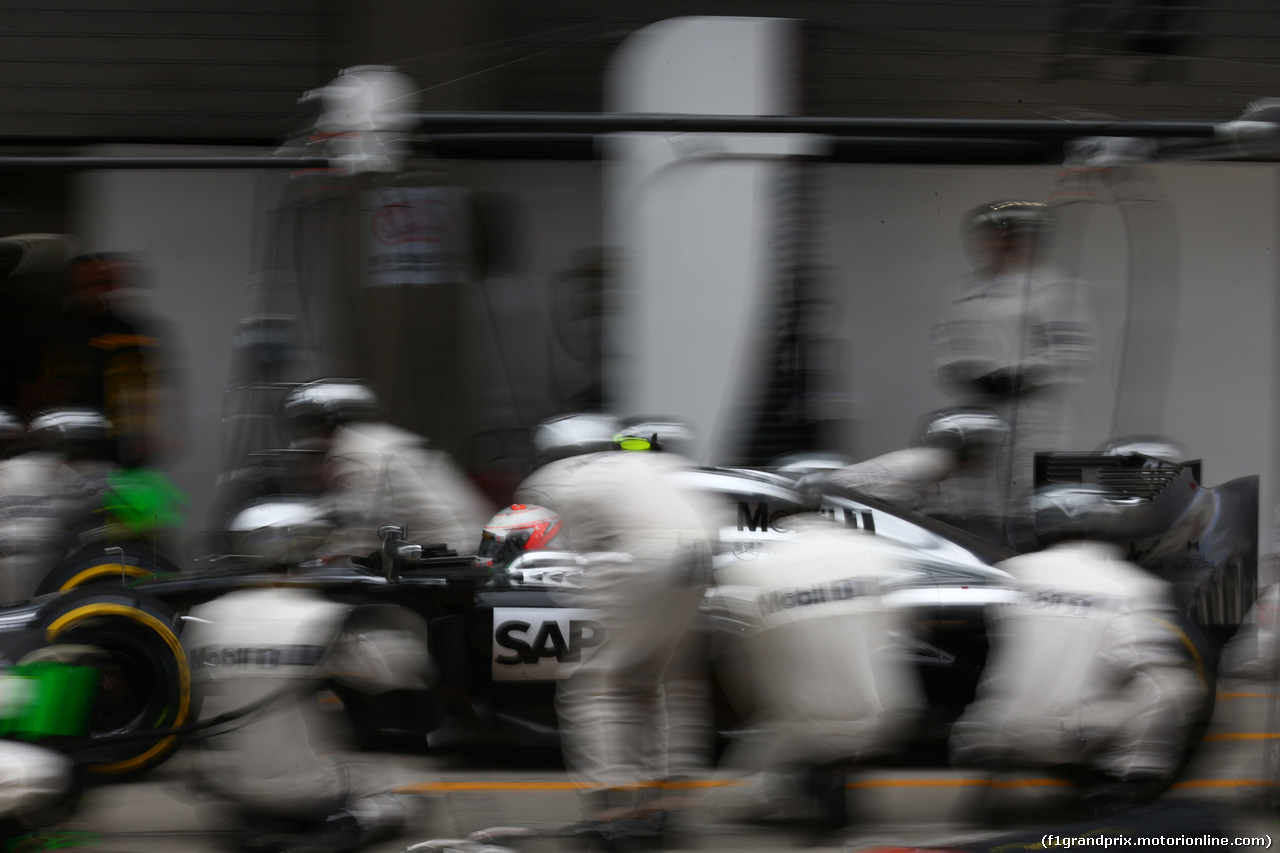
<point x="501" y="642"/>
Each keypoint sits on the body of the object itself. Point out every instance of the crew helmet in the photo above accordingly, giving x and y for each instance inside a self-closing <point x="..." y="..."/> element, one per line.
<point x="76" y="432"/>
<point x="514" y="530"/>
<point x="1156" y="446"/>
<point x="13" y="430"/>
<point x="1031" y="220"/>
<point x="965" y="430"/>
<point x="1075" y="511"/>
<point x="654" y="433"/>
<point x="1009" y="217"/>
<point x="574" y="434"/>
<point x="321" y="405"/>
<point x="279" y="531"/>
<point x="72" y="423"/>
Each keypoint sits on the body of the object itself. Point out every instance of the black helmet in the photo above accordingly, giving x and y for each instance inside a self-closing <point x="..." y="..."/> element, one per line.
<point x="321" y="405"/>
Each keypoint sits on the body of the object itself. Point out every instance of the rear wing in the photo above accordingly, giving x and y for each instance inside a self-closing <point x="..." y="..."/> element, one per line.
<point x="1202" y="540"/>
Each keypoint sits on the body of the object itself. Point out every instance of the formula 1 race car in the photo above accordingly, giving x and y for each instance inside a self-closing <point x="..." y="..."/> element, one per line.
<point x="500" y="642"/>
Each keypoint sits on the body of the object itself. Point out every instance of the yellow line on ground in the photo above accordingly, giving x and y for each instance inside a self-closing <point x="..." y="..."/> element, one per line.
<point x="958" y="783"/>
<point x="1034" y="783"/>
<point x="1224" y="783"/>
<point x="1244" y="695"/>
<point x="699" y="783"/>
<point x="424" y="787"/>
<point x="435" y="787"/>
<point x="916" y="783"/>
<point x="1242" y="736"/>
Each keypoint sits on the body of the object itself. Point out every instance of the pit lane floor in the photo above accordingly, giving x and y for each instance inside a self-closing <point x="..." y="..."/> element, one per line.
<point x="461" y="793"/>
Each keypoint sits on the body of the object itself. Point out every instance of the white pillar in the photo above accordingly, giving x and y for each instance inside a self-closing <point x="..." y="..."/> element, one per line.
<point x="692" y="218"/>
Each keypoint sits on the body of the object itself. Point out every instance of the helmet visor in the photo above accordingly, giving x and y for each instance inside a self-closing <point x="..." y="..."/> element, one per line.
<point x="489" y="546"/>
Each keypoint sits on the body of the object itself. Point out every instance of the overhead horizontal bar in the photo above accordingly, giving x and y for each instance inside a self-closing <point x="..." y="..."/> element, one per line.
<point x="516" y="122"/>
<point x="74" y="162"/>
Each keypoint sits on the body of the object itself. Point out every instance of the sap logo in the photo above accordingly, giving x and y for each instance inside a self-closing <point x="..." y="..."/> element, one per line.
<point x="542" y="643"/>
<point x="548" y="641"/>
<point x="756" y="517"/>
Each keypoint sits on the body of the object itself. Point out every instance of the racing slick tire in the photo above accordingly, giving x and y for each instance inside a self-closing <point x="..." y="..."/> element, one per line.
<point x="145" y="683"/>
<point x="103" y="563"/>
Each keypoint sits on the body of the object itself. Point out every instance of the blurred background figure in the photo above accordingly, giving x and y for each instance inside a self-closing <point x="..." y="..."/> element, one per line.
<point x="1010" y="334"/>
<point x="377" y="474"/>
<point x="945" y="473"/>
<point x="832" y="685"/>
<point x="1089" y="671"/>
<point x="262" y="654"/>
<point x="648" y="563"/>
<point x="53" y="480"/>
<point x="98" y="358"/>
<point x="32" y="298"/>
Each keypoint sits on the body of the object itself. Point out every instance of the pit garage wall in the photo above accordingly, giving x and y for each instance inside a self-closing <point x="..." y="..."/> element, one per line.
<point x="891" y="240"/>
<point x="201" y="237"/>
<point x="888" y="238"/>
<point x="194" y="233"/>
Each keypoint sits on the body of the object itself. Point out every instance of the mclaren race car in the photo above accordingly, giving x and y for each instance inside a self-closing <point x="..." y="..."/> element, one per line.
<point x="501" y="641"/>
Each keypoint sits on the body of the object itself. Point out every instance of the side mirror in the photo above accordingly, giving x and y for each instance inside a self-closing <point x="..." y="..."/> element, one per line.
<point x="396" y="552"/>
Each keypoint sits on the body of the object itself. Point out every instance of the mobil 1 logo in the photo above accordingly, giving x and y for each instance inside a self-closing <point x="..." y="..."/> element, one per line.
<point x="542" y="643"/>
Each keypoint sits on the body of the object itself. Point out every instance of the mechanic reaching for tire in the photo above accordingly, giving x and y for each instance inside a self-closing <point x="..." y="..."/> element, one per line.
<point x="263" y="654"/>
<point x="1089" y="671"/>
<point x="376" y="474"/>
<point x="943" y="474"/>
<point x="833" y="687"/>
<point x="647" y="551"/>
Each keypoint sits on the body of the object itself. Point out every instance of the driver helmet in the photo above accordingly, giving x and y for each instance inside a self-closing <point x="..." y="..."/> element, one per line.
<point x="967" y="431"/>
<point x="574" y="434"/>
<point x="317" y="407"/>
<point x="514" y="530"/>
